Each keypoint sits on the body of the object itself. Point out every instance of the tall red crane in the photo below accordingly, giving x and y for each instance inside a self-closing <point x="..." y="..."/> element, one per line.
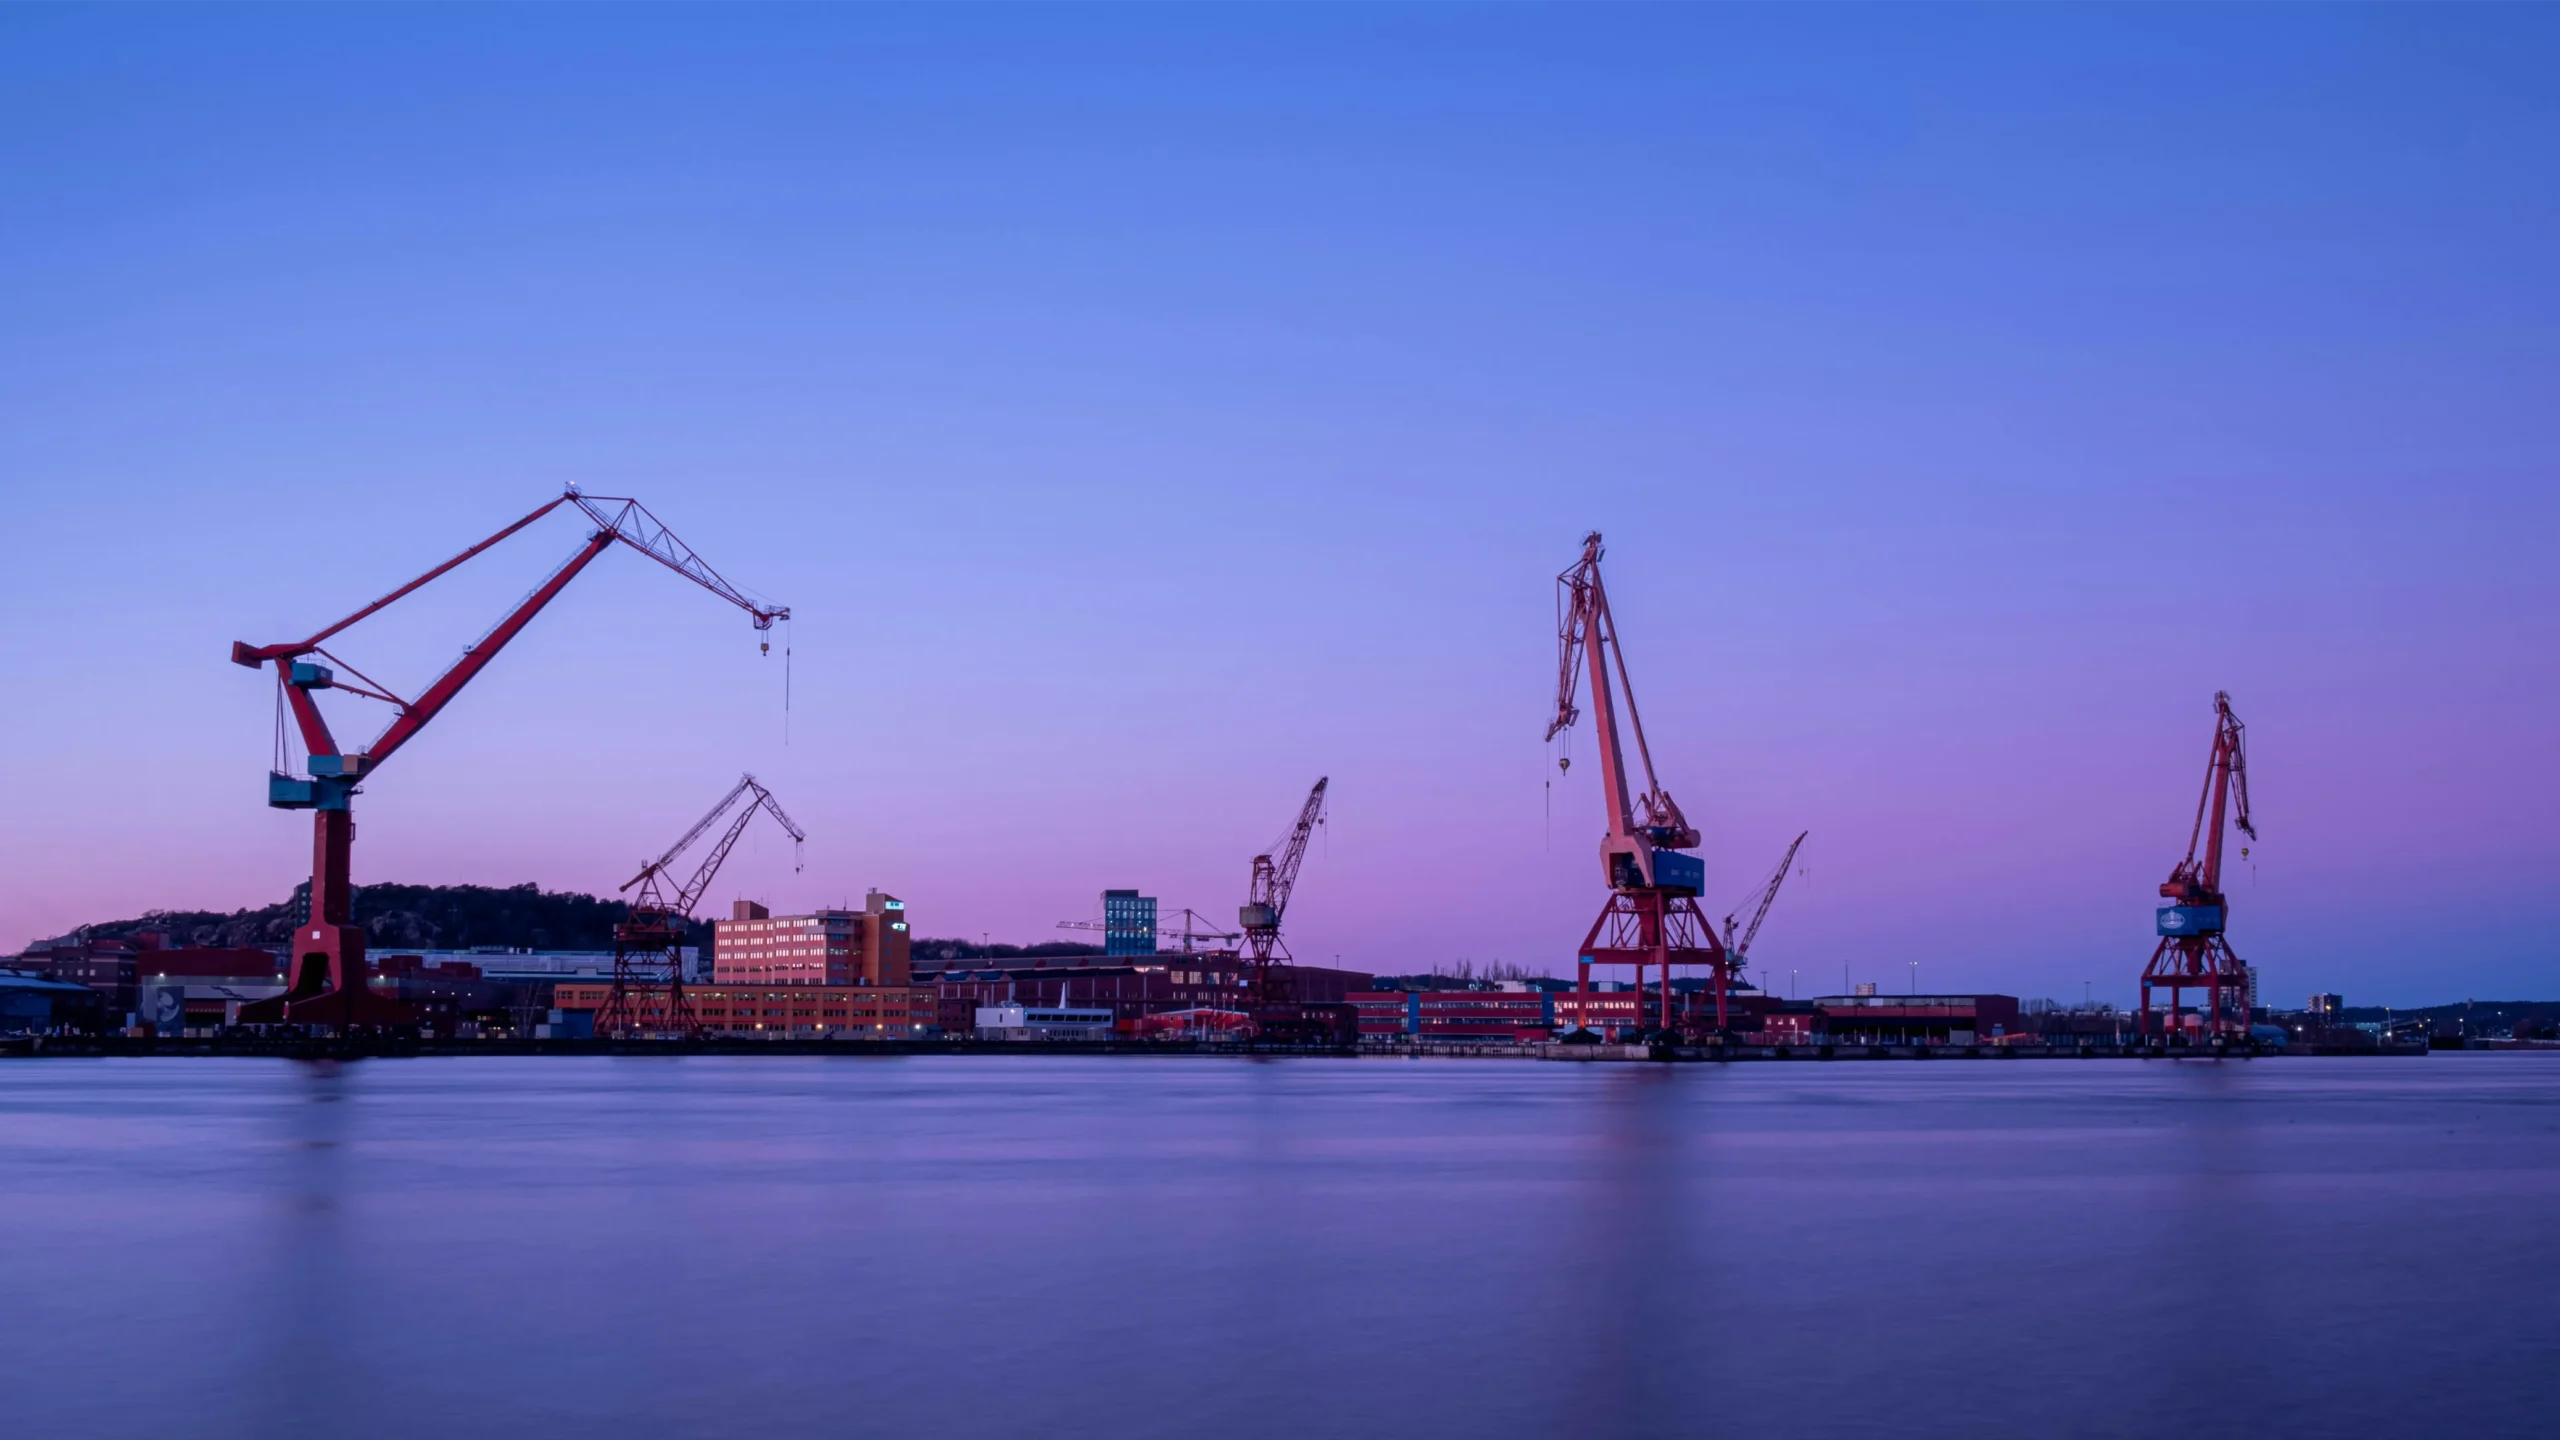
<point x="2192" y="955"/>
<point x="1651" y="917"/>
<point x="1267" y="900"/>
<point x="329" y="975"/>
<point x="648" y="947"/>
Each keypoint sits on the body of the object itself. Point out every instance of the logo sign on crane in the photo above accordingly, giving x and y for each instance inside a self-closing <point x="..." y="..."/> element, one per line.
<point x="2190" y="919"/>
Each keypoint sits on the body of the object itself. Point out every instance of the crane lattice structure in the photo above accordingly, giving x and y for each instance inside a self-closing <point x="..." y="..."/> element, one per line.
<point x="329" y="980"/>
<point x="1188" y="932"/>
<point x="2192" y="954"/>
<point x="647" y="1000"/>
<point x="1651" y="918"/>
<point x="1739" y="946"/>
<point x="1267" y="901"/>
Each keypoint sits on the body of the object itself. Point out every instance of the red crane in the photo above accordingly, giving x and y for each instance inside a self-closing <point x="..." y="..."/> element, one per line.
<point x="2192" y="955"/>
<point x="1267" y="900"/>
<point x="1652" y="916"/>
<point x="648" y="947"/>
<point x="328" y="974"/>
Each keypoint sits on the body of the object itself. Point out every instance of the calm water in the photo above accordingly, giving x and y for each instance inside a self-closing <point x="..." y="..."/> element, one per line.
<point x="1032" y="1246"/>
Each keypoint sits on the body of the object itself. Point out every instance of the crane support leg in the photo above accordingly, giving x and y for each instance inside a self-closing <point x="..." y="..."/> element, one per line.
<point x="327" y="980"/>
<point x="1647" y="928"/>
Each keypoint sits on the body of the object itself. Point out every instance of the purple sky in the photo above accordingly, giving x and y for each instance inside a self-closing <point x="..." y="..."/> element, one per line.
<point x="1146" y="411"/>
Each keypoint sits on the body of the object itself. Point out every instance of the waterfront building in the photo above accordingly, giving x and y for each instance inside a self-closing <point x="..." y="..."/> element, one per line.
<point x="767" y="1012"/>
<point x="869" y="946"/>
<point x="198" y="989"/>
<point x="1153" y="986"/>
<point x="1515" y="1012"/>
<point x="31" y="1004"/>
<point x="1128" y="923"/>
<point x="1043" y="1022"/>
<point x="1868" y="1019"/>
<point x="1607" y="1008"/>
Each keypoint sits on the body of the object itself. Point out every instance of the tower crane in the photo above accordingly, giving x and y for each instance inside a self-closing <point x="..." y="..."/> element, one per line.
<point x="1739" y="947"/>
<point x="1651" y="917"/>
<point x="651" y="939"/>
<point x="1267" y="900"/>
<point x="1188" y="932"/>
<point x="328" y="974"/>
<point x="2192" y="955"/>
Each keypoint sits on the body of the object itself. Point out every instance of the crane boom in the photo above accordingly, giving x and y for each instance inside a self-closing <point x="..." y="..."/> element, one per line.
<point x="1767" y="895"/>
<point x="691" y="894"/>
<point x="693" y="890"/>
<point x="1640" y="825"/>
<point x="1267" y="897"/>
<point x="2226" y="786"/>
<point x="327" y="969"/>
<point x="1273" y="882"/>
<point x="685" y="841"/>
<point x="633" y="524"/>
<point x="648" y="996"/>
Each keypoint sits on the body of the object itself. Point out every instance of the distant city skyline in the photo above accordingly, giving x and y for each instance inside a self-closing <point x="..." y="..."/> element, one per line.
<point x="1145" y="412"/>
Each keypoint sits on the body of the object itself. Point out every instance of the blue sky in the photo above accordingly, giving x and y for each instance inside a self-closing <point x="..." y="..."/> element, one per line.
<point x="1147" y="410"/>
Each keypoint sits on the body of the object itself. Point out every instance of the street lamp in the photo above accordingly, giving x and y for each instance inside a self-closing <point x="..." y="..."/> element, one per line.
<point x="1915" y="977"/>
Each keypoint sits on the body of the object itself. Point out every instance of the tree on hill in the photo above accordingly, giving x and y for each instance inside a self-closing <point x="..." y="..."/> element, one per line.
<point x="927" y="953"/>
<point x="421" y="917"/>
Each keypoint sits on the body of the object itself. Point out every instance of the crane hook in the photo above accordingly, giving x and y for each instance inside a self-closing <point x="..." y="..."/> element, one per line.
<point x="1564" y="764"/>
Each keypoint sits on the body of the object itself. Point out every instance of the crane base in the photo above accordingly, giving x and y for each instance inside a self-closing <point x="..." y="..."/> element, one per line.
<point x="345" y="1009"/>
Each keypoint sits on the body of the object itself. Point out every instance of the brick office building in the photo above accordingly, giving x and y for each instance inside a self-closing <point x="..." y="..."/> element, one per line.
<point x="826" y="975"/>
<point x="777" y="1012"/>
<point x="1523" y="1015"/>
<point x="868" y="946"/>
<point x="1917" y="1019"/>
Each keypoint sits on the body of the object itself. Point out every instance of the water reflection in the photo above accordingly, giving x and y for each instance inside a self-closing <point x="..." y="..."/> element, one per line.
<point x="1155" y="1248"/>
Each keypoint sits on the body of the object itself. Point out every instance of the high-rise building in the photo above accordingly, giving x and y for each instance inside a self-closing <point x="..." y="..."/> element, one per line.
<point x="824" y="947"/>
<point x="1128" y="923"/>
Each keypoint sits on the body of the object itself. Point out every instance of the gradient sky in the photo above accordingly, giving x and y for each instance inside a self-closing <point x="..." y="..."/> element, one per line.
<point x="1146" y="411"/>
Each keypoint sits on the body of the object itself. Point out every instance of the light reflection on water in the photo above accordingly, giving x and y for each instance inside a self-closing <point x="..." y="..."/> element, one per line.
<point x="1029" y="1245"/>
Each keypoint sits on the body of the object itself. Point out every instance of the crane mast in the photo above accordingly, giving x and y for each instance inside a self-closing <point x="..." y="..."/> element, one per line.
<point x="1651" y="919"/>
<point x="648" y="946"/>
<point x="1267" y="900"/>
<point x="2192" y="953"/>
<point x="327" y="975"/>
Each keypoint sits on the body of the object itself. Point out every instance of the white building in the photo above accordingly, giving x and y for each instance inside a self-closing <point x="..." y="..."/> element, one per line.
<point x="1042" y="1022"/>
